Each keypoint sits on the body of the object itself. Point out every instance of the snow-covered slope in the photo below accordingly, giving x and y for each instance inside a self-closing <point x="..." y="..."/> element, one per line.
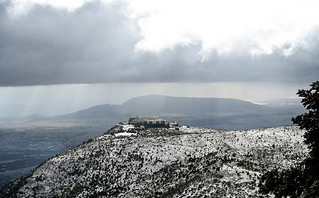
<point x="188" y="162"/>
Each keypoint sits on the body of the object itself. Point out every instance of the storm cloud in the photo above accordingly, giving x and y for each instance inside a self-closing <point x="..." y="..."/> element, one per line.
<point x="98" y="43"/>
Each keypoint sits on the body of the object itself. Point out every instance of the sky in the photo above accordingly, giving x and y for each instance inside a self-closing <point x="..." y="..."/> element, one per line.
<point x="62" y="56"/>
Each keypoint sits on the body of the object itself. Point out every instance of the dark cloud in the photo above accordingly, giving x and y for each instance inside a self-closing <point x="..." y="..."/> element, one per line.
<point x="95" y="44"/>
<point x="49" y="46"/>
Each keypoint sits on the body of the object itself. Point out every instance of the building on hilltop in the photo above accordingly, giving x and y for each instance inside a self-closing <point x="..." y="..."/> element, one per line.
<point x="173" y="124"/>
<point x="148" y="121"/>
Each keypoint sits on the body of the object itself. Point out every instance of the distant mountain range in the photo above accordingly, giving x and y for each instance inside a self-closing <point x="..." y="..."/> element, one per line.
<point x="220" y="113"/>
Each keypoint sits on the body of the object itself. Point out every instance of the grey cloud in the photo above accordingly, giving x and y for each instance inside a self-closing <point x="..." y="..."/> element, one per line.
<point x="182" y="65"/>
<point x="51" y="46"/>
<point x="95" y="44"/>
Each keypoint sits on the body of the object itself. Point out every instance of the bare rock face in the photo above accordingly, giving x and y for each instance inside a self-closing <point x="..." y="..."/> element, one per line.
<point x="164" y="162"/>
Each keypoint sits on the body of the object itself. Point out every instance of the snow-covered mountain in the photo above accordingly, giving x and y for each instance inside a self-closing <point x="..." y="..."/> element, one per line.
<point x="164" y="162"/>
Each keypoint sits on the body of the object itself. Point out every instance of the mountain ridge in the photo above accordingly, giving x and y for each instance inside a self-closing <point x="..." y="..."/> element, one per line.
<point x="164" y="103"/>
<point x="188" y="105"/>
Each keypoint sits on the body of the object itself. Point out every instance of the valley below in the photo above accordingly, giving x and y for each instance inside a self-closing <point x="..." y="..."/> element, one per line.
<point x="25" y="145"/>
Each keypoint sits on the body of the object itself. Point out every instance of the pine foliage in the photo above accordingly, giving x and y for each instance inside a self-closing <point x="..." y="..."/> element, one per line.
<point x="301" y="180"/>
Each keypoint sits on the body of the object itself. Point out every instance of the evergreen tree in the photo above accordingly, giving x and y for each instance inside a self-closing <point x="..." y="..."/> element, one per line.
<point x="310" y="120"/>
<point x="301" y="180"/>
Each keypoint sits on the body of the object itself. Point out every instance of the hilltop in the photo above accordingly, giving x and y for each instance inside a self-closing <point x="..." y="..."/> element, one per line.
<point x="164" y="162"/>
